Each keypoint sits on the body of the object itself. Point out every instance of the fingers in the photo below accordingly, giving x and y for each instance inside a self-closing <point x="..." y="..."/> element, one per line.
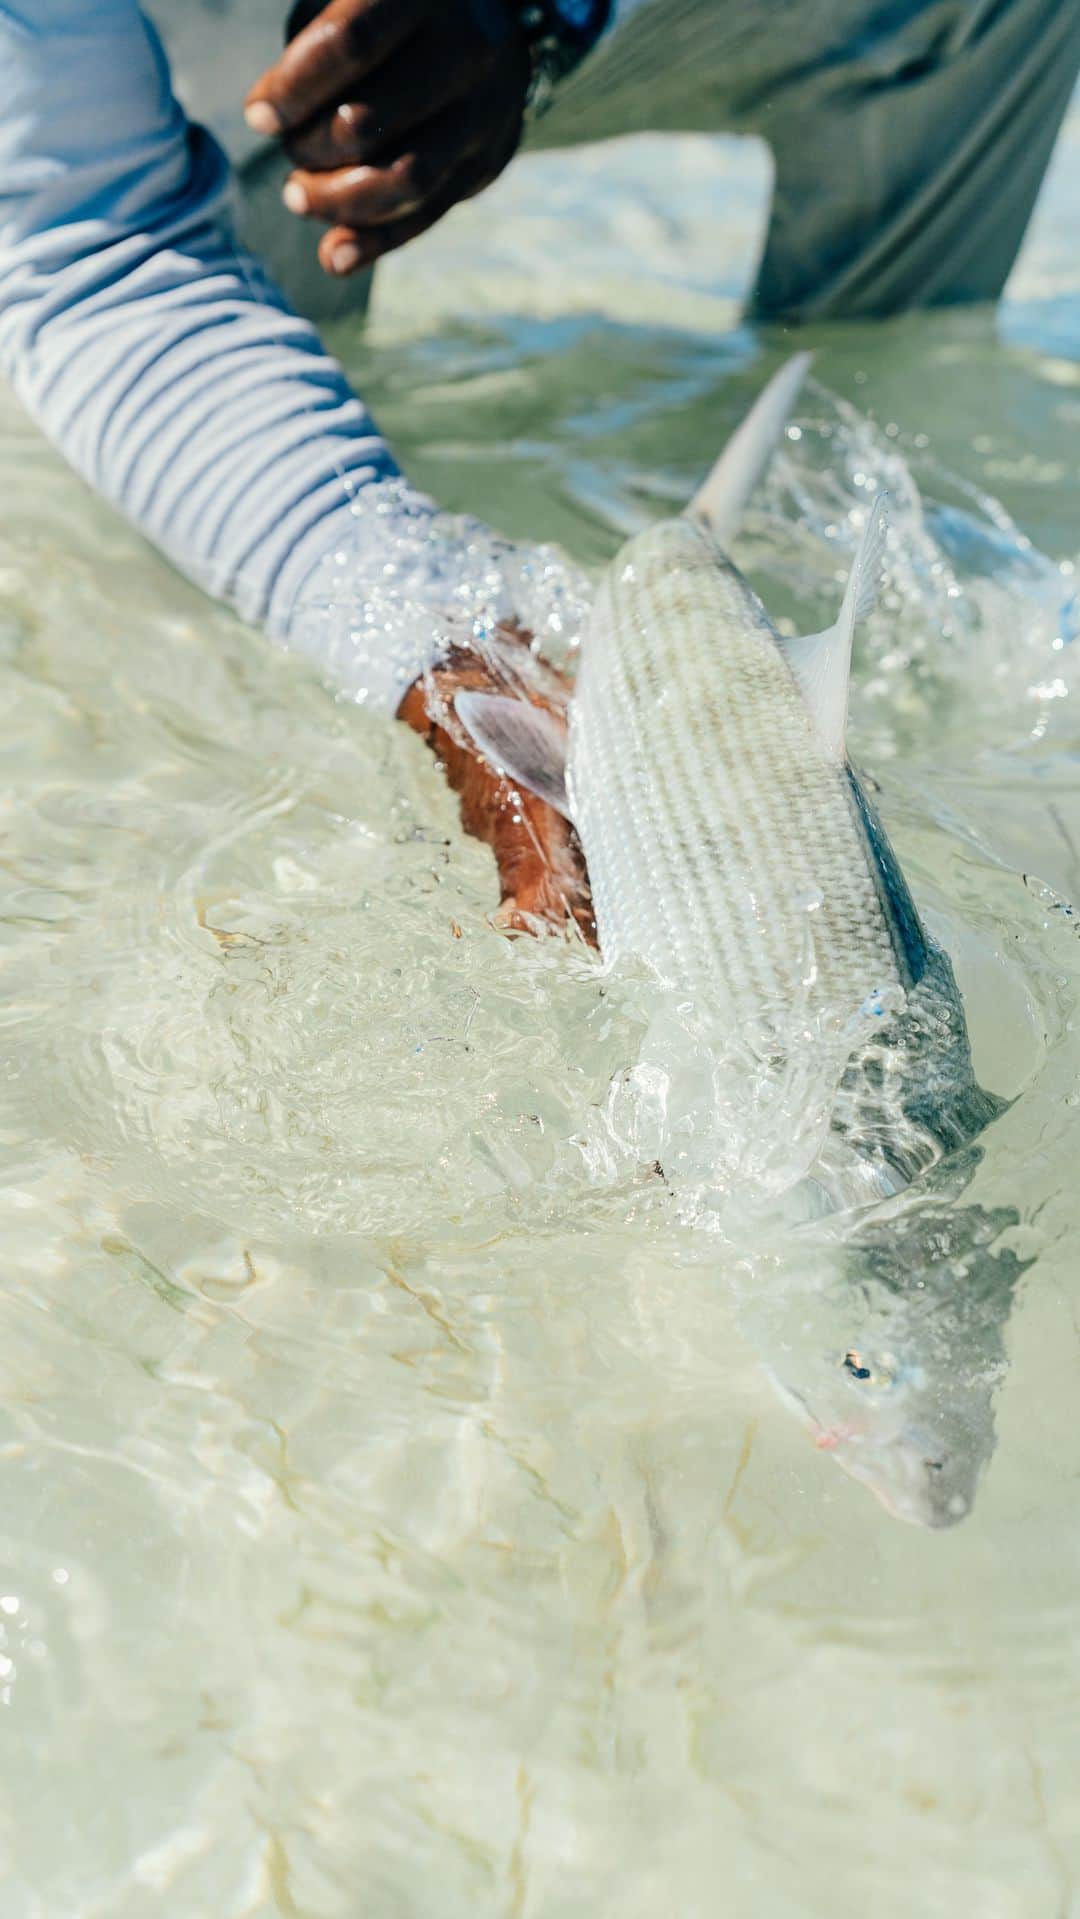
<point x="346" y="249"/>
<point x="366" y="195"/>
<point x="394" y="110"/>
<point x="352" y="133"/>
<point x="343" y="250"/>
<point x="363" y="196"/>
<point x="409" y="92"/>
<point x="352" y="37"/>
<point x="374" y="210"/>
<point x="383" y="206"/>
<point x="391" y="234"/>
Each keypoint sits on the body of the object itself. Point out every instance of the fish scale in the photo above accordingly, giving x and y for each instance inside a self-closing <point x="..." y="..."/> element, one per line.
<point x="709" y="813"/>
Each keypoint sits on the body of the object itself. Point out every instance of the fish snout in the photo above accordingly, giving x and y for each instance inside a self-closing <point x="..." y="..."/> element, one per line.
<point x="916" y="1481"/>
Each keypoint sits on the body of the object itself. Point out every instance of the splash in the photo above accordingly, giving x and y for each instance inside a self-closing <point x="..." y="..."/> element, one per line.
<point x="411" y="583"/>
<point x="974" y="633"/>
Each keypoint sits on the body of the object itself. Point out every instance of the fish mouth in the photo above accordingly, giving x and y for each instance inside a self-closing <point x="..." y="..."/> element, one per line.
<point x="909" y="1480"/>
<point x="914" y="1481"/>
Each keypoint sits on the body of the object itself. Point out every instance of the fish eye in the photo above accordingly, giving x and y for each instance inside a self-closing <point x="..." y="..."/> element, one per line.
<point x="875" y="1372"/>
<point x="856" y="1366"/>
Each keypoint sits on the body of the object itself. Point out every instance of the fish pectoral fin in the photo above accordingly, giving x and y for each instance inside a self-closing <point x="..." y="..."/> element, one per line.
<point x="718" y="504"/>
<point x="525" y="742"/>
<point x="821" y="662"/>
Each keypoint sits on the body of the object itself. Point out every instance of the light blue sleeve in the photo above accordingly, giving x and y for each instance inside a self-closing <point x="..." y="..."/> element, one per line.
<point x="148" y="346"/>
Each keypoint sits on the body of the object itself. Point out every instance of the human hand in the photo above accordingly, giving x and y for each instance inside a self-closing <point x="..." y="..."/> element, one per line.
<point x="542" y="874"/>
<point x="393" y="110"/>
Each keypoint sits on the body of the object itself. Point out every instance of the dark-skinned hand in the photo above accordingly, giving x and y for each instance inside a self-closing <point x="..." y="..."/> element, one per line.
<point x="392" y="110"/>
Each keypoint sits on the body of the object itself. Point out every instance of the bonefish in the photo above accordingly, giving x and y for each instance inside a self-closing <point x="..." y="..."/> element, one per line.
<point x="729" y="842"/>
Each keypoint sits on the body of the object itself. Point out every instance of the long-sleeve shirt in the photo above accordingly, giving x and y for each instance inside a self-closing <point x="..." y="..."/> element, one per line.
<point x="155" y="352"/>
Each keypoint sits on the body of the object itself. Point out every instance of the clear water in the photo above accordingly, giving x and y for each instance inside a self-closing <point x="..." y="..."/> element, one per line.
<point x="398" y="1512"/>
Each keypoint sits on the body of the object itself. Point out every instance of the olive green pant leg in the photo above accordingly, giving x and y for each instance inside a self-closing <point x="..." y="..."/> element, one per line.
<point x="909" y="137"/>
<point x="911" y="185"/>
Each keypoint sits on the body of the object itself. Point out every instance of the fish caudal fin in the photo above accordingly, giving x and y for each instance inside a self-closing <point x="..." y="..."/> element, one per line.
<point x="718" y="504"/>
<point x="821" y="662"/>
<point x="525" y="742"/>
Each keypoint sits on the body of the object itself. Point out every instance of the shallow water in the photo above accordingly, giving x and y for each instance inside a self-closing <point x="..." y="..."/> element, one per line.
<point x="399" y="1514"/>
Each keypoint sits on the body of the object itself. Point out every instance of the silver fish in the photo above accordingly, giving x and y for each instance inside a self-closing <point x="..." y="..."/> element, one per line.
<point x="894" y="1367"/>
<point x="729" y="842"/>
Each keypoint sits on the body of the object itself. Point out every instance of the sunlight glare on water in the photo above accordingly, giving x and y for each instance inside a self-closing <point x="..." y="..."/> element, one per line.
<point x="410" y="1503"/>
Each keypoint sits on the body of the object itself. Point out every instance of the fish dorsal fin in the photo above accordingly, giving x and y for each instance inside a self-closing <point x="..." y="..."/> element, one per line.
<point x="524" y="741"/>
<point x="718" y="504"/>
<point x="821" y="662"/>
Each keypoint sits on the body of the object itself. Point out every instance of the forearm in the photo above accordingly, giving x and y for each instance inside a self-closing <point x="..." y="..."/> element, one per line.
<point x="175" y="378"/>
<point x="146" y="344"/>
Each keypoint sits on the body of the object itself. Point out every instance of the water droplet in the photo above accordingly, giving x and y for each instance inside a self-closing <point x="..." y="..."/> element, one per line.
<point x="810" y="901"/>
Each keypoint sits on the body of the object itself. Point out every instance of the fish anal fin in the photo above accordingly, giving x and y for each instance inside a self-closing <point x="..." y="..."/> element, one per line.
<point x="821" y="662"/>
<point x="524" y="741"/>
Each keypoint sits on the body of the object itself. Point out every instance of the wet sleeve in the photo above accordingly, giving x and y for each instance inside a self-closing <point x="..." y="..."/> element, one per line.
<point x="149" y="347"/>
